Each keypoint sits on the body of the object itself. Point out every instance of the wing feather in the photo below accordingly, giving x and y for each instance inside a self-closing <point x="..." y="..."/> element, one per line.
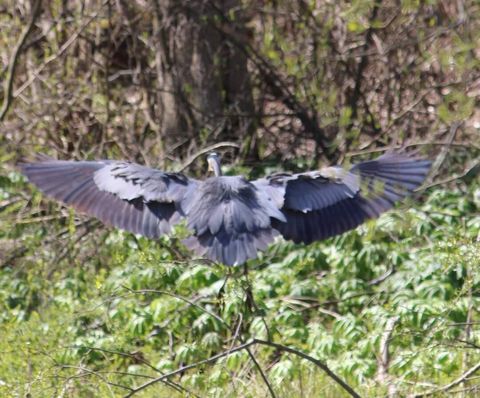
<point x="120" y="194"/>
<point x="231" y="220"/>
<point x="318" y="205"/>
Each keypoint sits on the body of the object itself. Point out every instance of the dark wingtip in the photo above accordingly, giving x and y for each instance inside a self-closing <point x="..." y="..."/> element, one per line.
<point x="26" y="162"/>
<point x="36" y="158"/>
<point x="404" y="157"/>
<point x="402" y="167"/>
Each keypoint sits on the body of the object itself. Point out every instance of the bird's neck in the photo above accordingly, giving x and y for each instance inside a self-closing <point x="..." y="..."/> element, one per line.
<point x="217" y="170"/>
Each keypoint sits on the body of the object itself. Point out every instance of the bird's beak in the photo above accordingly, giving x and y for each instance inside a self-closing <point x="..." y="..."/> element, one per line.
<point x="210" y="168"/>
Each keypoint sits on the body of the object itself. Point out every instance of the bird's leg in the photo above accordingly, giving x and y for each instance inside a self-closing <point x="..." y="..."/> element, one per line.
<point x="221" y="292"/>
<point x="251" y="305"/>
<point x="249" y="300"/>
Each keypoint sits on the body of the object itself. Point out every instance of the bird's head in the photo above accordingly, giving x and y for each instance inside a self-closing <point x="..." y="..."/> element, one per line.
<point x="213" y="160"/>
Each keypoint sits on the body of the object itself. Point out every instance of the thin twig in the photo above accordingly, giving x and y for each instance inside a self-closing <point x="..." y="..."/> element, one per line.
<point x="244" y="346"/>
<point x="262" y="373"/>
<point x="191" y="366"/>
<point x="382" y="278"/>
<point x="470" y="145"/>
<point x="259" y="368"/>
<point x="384" y="359"/>
<point x="192" y="303"/>
<point x="205" y="150"/>
<point x="8" y="97"/>
<point x="59" y="53"/>
<point x="444" y="151"/>
<point x="168" y="383"/>
<point x="315" y="361"/>
<point x="115" y="352"/>
<point x="470" y="169"/>
<point x="275" y="82"/>
<point x="447" y="387"/>
<point x="237" y="333"/>
<point x="97" y="374"/>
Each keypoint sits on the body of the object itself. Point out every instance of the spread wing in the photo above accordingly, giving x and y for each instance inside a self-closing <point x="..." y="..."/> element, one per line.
<point x="328" y="202"/>
<point x="230" y="219"/>
<point x="121" y="194"/>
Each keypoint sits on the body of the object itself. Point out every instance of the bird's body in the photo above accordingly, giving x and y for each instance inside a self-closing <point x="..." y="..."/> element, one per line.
<point x="231" y="218"/>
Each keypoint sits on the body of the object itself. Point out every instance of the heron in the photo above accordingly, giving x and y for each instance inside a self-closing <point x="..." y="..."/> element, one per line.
<point x="231" y="218"/>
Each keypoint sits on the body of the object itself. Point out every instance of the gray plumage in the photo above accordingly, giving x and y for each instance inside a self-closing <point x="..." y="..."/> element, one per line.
<point x="231" y="218"/>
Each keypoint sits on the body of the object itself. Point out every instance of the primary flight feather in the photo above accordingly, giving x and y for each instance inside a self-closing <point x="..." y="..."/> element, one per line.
<point x="231" y="218"/>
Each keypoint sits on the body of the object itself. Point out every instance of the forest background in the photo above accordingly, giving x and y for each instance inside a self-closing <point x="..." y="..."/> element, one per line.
<point x="392" y="308"/>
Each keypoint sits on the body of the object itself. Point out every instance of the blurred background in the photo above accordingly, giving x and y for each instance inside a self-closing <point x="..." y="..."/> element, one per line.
<point x="392" y="307"/>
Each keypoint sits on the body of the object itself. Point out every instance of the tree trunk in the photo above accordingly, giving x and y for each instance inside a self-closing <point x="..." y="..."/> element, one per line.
<point x="203" y="80"/>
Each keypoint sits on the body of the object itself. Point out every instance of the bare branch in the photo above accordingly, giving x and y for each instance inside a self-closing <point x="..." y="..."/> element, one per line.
<point x="472" y="169"/>
<point x="447" y="387"/>
<point x="139" y="358"/>
<point x="384" y="359"/>
<point x="205" y="150"/>
<point x="363" y="62"/>
<point x="8" y="97"/>
<point x="262" y="373"/>
<point x="444" y="151"/>
<point x="192" y="303"/>
<point x="244" y="346"/>
<point x="191" y="366"/>
<point x="59" y="53"/>
<point x="88" y="371"/>
<point x="277" y="85"/>
<point x="315" y="361"/>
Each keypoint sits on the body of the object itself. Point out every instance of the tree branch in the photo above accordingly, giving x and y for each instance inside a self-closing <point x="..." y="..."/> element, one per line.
<point x="244" y="346"/>
<point x="191" y="366"/>
<point x="188" y="301"/>
<point x="276" y="84"/>
<point x="384" y="359"/>
<point x="203" y="151"/>
<point x="262" y="373"/>
<point x="12" y="66"/>
<point x="444" y="150"/>
<point x="363" y="62"/>
<point x="447" y="387"/>
<point x="62" y="49"/>
<point x="315" y="361"/>
<point x="473" y="170"/>
<point x="218" y="318"/>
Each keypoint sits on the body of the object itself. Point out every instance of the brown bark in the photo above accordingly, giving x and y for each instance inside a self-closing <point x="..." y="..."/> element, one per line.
<point x="203" y="81"/>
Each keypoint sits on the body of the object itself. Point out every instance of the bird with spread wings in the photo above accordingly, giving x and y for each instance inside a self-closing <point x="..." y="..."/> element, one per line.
<point x="231" y="218"/>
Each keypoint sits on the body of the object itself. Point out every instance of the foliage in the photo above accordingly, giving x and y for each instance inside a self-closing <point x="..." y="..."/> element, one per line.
<point x="285" y="80"/>
<point x="86" y="311"/>
<point x="92" y="318"/>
